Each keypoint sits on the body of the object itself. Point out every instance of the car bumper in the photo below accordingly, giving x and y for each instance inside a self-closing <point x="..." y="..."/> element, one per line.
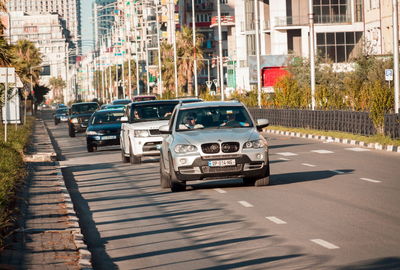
<point x="103" y="140"/>
<point x="147" y="146"/>
<point x="252" y="165"/>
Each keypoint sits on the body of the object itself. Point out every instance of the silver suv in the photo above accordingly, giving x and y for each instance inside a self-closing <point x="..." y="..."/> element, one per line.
<point x="213" y="140"/>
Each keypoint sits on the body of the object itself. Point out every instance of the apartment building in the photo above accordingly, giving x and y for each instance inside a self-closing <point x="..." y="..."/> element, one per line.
<point x="69" y="11"/>
<point x="48" y="33"/>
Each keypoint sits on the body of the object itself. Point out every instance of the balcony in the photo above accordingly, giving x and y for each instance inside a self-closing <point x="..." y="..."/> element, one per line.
<point x="250" y="26"/>
<point x="225" y="21"/>
<point x="207" y="6"/>
<point x="289" y="21"/>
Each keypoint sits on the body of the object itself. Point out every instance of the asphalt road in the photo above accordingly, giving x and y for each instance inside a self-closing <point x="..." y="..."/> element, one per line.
<point x="329" y="206"/>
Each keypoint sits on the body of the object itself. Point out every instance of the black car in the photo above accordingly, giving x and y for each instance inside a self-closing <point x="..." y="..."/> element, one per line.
<point x="104" y="129"/>
<point x="79" y="115"/>
<point x="61" y="115"/>
<point x="121" y="102"/>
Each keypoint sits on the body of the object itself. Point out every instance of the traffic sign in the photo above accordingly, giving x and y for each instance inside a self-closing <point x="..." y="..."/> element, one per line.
<point x="209" y="83"/>
<point x="389" y="74"/>
<point x="7" y="75"/>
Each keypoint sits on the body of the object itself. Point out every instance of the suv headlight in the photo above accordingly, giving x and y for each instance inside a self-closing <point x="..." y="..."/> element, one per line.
<point x="185" y="148"/>
<point x="254" y="144"/>
<point x="74" y="120"/>
<point x="141" y="133"/>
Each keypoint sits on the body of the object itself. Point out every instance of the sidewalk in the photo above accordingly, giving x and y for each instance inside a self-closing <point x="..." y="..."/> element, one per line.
<point x="48" y="234"/>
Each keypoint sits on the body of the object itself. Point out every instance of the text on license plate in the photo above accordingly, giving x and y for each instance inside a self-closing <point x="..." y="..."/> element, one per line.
<point x="222" y="163"/>
<point x="109" y="137"/>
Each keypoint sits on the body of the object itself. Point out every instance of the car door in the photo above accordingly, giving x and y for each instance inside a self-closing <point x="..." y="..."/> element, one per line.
<point x="167" y="141"/>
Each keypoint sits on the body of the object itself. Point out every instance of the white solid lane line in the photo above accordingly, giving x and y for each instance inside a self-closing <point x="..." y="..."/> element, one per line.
<point x="308" y="165"/>
<point x="220" y="190"/>
<point x="276" y="220"/>
<point x="287" y="154"/>
<point x="245" y="204"/>
<point x="324" y="243"/>
<point x="370" y="180"/>
<point x="322" y="151"/>
<point x="335" y="171"/>
<point x="282" y="158"/>
<point x="357" y="149"/>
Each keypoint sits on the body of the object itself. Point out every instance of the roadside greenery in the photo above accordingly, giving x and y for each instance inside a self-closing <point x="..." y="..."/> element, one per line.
<point x="12" y="171"/>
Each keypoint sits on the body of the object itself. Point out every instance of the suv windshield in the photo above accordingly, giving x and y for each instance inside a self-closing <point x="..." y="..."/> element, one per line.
<point x="152" y="112"/>
<point x="213" y="117"/>
<point x="106" y="117"/>
<point x="83" y="108"/>
<point x="62" y="111"/>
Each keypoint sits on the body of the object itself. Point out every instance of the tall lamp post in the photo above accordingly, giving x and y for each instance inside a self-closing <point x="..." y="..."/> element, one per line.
<point x="221" y="62"/>
<point x="196" y="91"/>
<point x="312" y="52"/>
<point x="395" y="8"/>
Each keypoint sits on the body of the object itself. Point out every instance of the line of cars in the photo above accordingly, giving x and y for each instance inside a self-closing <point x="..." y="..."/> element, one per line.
<point x="195" y="140"/>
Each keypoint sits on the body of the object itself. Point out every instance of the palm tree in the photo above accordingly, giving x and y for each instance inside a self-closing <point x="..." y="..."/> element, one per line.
<point x="27" y="60"/>
<point x="186" y="54"/>
<point x="5" y="54"/>
<point x="167" y="68"/>
<point x="57" y="84"/>
<point x="3" y="8"/>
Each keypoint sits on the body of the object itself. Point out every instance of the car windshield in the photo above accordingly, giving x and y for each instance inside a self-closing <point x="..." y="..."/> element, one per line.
<point x="106" y="117"/>
<point x="83" y="108"/>
<point x="152" y="112"/>
<point x="213" y="117"/>
<point x="62" y="111"/>
<point x="143" y="98"/>
<point x="121" y="101"/>
<point x="121" y="106"/>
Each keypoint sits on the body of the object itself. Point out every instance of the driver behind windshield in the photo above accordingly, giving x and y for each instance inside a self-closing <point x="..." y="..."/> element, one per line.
<point x="190" y="122"/>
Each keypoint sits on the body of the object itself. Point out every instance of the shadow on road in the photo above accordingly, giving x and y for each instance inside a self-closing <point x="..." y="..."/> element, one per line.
<point x="296" y="177"/>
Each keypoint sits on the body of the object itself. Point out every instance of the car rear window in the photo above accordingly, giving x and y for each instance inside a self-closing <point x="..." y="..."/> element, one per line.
<point x="106" y="117"/>
<point x="83" y="108"/>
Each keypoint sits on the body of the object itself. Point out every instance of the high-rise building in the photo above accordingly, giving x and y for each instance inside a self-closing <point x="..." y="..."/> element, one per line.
<point x="69" y="10"/>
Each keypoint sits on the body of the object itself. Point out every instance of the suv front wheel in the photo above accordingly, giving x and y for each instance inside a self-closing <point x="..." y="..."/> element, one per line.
<point x="71" y="131"/>
<point x="176" y="185"/>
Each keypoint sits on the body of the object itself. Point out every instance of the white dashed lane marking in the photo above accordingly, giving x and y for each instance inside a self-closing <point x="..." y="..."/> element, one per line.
<point x="324" y="243"/>
<point x="308" y="165"/>
<point x="286" y="154"/>
<point x="220" y="190"/>
<point x="322" y="151"/>
<point x="276" y="220"/>
<point x="357" y="149"/>
<point x="335" y="171"/>
<point x="245" y="204"/>
<point x="282" y="158"/>
<point x="370" y="180"/>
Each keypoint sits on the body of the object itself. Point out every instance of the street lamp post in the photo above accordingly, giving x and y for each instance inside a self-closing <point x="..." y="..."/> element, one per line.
<point x="220" y="51"/>
<point x="194" y="49"/>
<point x="312" y="53"/>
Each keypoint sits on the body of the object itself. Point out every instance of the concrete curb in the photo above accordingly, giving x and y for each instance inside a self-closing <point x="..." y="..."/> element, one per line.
<point x="84" y="254"/>
<point x="376" y="146"/>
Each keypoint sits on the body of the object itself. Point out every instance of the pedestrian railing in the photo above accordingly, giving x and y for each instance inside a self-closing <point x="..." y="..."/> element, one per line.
<point x="346" y="121"/>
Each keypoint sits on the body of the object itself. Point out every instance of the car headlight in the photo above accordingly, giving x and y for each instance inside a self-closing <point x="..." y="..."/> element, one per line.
<point x="74" y="120"/>
<point x="254" y="144"/>
<point x="93" y="132"/>
<point x="185" y="148"/>
<point x="142" y="133"/>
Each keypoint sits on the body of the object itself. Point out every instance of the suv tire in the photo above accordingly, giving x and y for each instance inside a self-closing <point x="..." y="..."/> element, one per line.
<point x="176" y="186"/>
<point x="124" y="158"/>
<point x="164" y="180"/>
<point x="71" y="131"/>
<point x="91" y="147"/>
<point x="133" y="159"/>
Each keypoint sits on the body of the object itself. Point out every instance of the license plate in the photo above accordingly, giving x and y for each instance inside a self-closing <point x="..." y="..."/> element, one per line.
<point x="108" y="137"/>
<point x="222" y="163"/>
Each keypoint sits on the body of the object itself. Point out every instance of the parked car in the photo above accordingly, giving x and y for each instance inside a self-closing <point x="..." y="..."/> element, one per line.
<point x="79" y="115"/>
<point x="143" y="98"/>
<point x="121" y="102"/>
<point x="140" y="135"/>
<point x="104" y="128"/>
<point x="213" y="140"/>
<point x="61" y="115"/>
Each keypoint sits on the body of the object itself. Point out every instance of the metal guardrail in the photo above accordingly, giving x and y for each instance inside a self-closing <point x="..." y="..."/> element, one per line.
<point x="346" y="121"/>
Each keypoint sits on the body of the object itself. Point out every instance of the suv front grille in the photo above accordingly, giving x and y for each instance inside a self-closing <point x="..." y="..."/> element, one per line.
<point x="210" y="148"/>
<point x="154" y="132"/>
<point x="230" y="147"/>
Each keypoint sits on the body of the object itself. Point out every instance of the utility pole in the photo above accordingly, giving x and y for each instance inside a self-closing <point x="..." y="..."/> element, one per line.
<point x="196" y="91"/>
<point x="160" y="81"/>
<point x="395" y="8"/>
<point x="221" y="62"/>
<point x="173" y="27"/>
<point x="257" y="25"/>
<point x="312" y="52"/>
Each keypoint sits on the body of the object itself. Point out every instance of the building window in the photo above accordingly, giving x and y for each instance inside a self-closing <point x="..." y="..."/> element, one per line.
<point x="332" y="11"/>
<point x="223" y="1"/>
<point x="30" y="29"/>
<point x="339" y="46"/>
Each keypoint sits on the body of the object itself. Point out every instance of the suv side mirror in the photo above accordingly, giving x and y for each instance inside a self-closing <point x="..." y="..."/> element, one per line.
<point x="165" y="129"/>
<point x="262" y="123"/>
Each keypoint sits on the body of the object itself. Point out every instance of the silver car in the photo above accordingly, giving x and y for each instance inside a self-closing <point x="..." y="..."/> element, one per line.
<point x="213" y="140"/>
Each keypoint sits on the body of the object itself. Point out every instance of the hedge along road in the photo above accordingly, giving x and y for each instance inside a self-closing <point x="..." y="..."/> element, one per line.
<point x="329" y="206"/>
